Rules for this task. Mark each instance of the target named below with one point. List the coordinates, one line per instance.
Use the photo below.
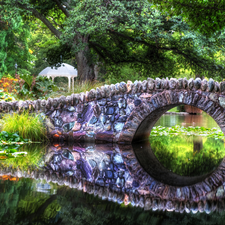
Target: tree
(118, 32)
(206, 16)
(133, 32)
(13, 44)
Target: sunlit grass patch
(28, 126)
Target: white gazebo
(65, 70)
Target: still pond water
(97, 184)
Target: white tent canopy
(65, 70)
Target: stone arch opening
(150, 110)
(140, 122)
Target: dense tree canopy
(13, 44)
(120, 32)
(207, 16)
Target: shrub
(35, 87)
(28, 126)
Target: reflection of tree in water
(197, 144)
(202, 159)
(78, 208)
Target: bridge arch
(140, 122)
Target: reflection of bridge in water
(114, 173)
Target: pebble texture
(123, 112)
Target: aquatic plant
(26, 125)
(189, 131)
(7, 138)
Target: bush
(34, 87)
(28, 126)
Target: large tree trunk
(85, 68)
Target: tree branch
(42, 18)
(62, 8)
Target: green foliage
(41, 42)
(121, 33)
(136, 34)
(14, 34)
(6, 96)
(10, 138)
(30, 205)
(26, 125)
(178, 153)
(35, 87)
(206, 16)
(79, 87)
(10, 151)
(188, 150)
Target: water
(106, 184)
(202, 120)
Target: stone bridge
(125, 112)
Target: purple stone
(109, 174)
(137, 102)
(93, 120)
(67, 127)
(110, 110)
(122, 119)
(58, 122)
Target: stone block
(79, 136)
(213, 97)
(129, 86)
(191, 83)
(204, 84)
(165, 83)
(216, 87)
(151, 84)
(210, 85)
(185, 83)
(158, 83)
(172, 83)
(222, 101)
(222, 86)
(180, 83)
(197, 83)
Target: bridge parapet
(123, 112)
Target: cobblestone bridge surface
(125, 112)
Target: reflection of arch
(154, 168)
(167, 185)
(141, 120)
